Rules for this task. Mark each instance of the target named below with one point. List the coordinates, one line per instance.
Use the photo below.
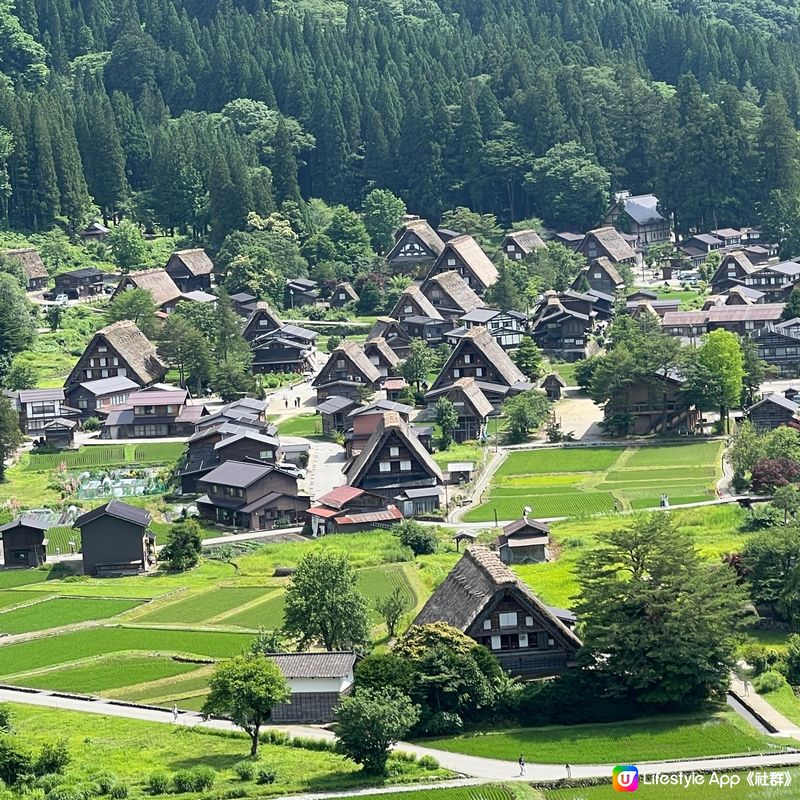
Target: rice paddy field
(488, 792)
(105, 455)
(574, 482)
(59, 611)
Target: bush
(119, 792)
(266, 776)
(428, 762)
(770, 681)
(420, 538)
(53, 758)
(792, 659)
(91, 424)
(442, 723)
(15, 760)
(760, 658)
(5, 716)
(68, 793)
(245, 770)
(105, 782)
(48, 782)
(157, 783)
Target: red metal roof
(339, 496)
(388, 515)
(322, 511)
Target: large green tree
(10, 435)
(136, 305)
(383, 214)
(655, 617)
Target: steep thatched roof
(456, 288)
(474, 581)
(384, 325)
(471, 391)
(487, 345)
(470, 252)
(527, 240)
(156, 281)
(347, 288)
(263, 311)
(30, 261)
(424, 232)
(143, 363)
(355, 354)
(380, 345)
(391, 423)
(196, 261)
(415, 295)
(610, 239)
(610, 270)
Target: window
(456, 373)
(518, 256)
(265, 454)
(598, 275)
(101, 348)
(495, 642)
(509, 641)
(408, 310)
(523, 639)
(467, 358)
(479, 372)
(510, 248)
(394, 451)
(342, 296)
(487, 624)
(508, 620)
(384, 466)
(82, 403)
(405, 466)
(529, 621)
(451, 262)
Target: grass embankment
(582, 481)
(132, 750)
(630, 742)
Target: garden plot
(568, 482)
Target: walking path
(755, 704)
(485, 769)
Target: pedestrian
(521, 764)
(286, 402)
(174, 713)
(569, 771)
(746, 689)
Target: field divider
(30, 602)
(248, 606)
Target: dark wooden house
(601, 275)
(244, 304)
(94, 232)
(416, 247)
(60, 433)
(39, 407)
(506, 326)
(520, 244)
(287, 349)
(262, 320)
(639, 215)
(162, 288)
(524, 541)
(382, 356)
(300, 292)
(554, 385)
(733, 270)
(93, 398)
(779, 346)
(561, 326)
(78, 284)
(418, 318)
(742, 320)
(347, 373)
(252, 496)
(390, 329)
(191, 270)
(334, 413)
(153, 413)
(392, 460)
(347, 509)
(450, 295)
(568, 239)
(471, 405)
(115, 540)
(773, 411)
(363, 421)
(606, 242)
(775, 280)
(25, 541)
(465, 256)
(478, 355)
(33, 269)
(483, 598)
(343, 294)
(118, 350)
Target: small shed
(464, 536)
(524, 541)
(422, 500)
(553, 384)
(343, 294)
(115, 539)
(95, 232)
(460, 471)
(24, 541)
(60, 433)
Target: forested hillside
(189, 115)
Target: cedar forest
(189, 116)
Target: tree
(136, 305)
(770, 474)
(267, 642)
(792, 659)
(792, 308)
(554, 267)
(349, 236)
(127, 246)
(17, 331)
(447, 420)
(786, 499)
(754, 371)
(178, 341)
(383, 214)
(385, 670)
(53, 314)
(10, 435)
(782, 442)
(21, 376)
(483, 228)
(525, 412)
(183, 547)
(246, 689)
(656, 618)
(528, 357)
(746, 449)
(769, 561)
(370, 722)
(418, 364)
(391, 607)
(324, 605)
(420, 538)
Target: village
(392, 491)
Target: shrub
(15, 760)
(770, 681)
(421, 539)
(91, 424)
(157, 783)
(245, 770)
(48, 782)
(428, 762)
(119, 792)
(105, 782)
(5, 718)
(53, 758)
(63, 792)
(760, 658)
(792, 658)
(266, 776)
(442, 723)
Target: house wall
(101, 360)
(781, 352)
(89, 404)
(22, 547)
(531, 554)
(307, 707)
(769, 416)
(412, 257)
(386, 480)
(107, 540)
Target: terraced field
(61, 611)
(573, 482)
(202, 607)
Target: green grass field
(301, 425)
(200, 607)
(98, 675)
(569, 482)
(630, 742)
(488, 792)
(61, 611)
(104, 456)
(8, 597)
(132, 750)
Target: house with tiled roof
(39, 407)
(778, 345)
(464, 255)
(80, 283)
(152, 413)
(93, 398)
(118, 350)
(774, 411)
(524, 541)
(191, 270)
(519, 244)
(417, 245)
(639, 215)
(505, 325)
(487, 601)
(334, 412)
(348, 372)
(162, 288)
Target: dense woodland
(187, 116)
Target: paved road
(485, 769)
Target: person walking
(286, 402)
(174, 713)
(521, 764)
(569, 771)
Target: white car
(61, 300)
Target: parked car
(61, 299)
